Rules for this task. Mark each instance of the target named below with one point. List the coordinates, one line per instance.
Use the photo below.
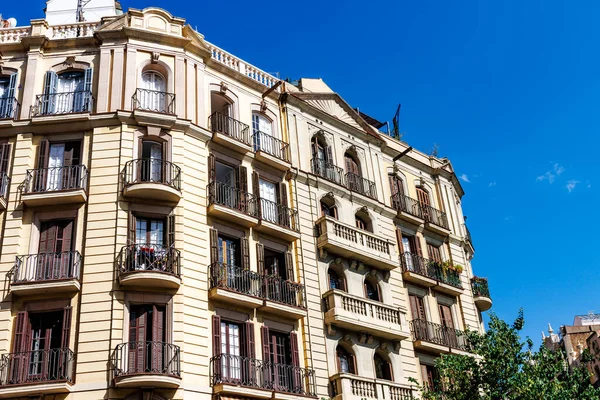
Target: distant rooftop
(590, 318)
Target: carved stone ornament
(347, 338)
(387, 275)
(370, 339)
(363, 338)
(223, 87)
(322, 253)
(364, 209)
(373, 272)
(329, 195)
(397, 345)
(353, 264)
(331, 330)
(69, 61)
(155, 57)
(263, 106)
(383, 346)
(361, 266)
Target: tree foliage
(505, 368)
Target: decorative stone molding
(364, 209)
(384, 346)
(348, 339)
(397, 345)
(373, 273)
(263, 106)
(155, 57)
(69, 61)
(331, 330)
(322, 254)
(329, 195)
(223, 87)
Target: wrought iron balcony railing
(9, 108)
(149, 170)
(279, 214)
(271, 145)
(135, 358)
(480, 287)
(62, 103)
(435, 216)
(253, 373)
(38, 366)
(222, 194)
(56, 179)
(153, 100)
(284, 291)
(47, 267)
(429, 268)
(439, 334)
(328, 171)
(230, 277)
(149, 257)
(358, 184)
(220, 123)
(400, 202)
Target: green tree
(505, 368)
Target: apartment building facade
(177, 223)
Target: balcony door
(67, 92)
(147, 349)
(54, 259)
(57, 166)
(269, 209)
(231, 348)
(262, 128)
(421, 330)
(448, 324)
(40, 346)
(151, 253)
(280, 351)
(153, 94)
(234, 354)
(7, 95)
(226, 187)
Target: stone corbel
(69, 61)
(329, 195)
(223, 87)
(331, 330)
(322, 253)
(387, 276)
(155, 57)
(373, 272)
(370, 339)
(362, 338)
(397, 345)
(364, 209)
(348, 339)
(263, 106)
(383, 346)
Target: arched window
(363, 221)
(383, 369)
(328, 208)
(335, 280)
(372, 290)
(345, 361)
(352, 164)
(397, 190)
(67, 92)
(153, 91)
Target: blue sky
(508, 90)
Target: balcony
(430, 273)
(235, 285)
(355, 313)
(149, 266)
(76, 102)
(231, 204)
(354, 387)
(4, 185)
(481, 293)
(273, 217)
(283, 297)
(152, 179)
(45, 273)
(153, 101)
(437, 338)
(350, 242)
(229, 132)
(271, 151)
(147, 364)
(58, 185)
(9, 108)
(408, 208)
(328, 171)
(231, 375)
(358, 184)
(36, 373)
(435, 220)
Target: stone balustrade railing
(231, 61)
(68, 31)
(13, 35)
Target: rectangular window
(430, 376)
(149, 231)
(275, 263)
(231, 346)
(229, 251)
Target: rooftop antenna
(80, 5)
(396, 123)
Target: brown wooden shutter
(137, 337)
(5, 149)
(417, 307)
(214, 245)
(417, 242)
(130, 228)
(47, 237)
(446, 316)
(250, 342)
(171, 229)
(67, 236)
(329, 152)
(245, 253)
(399, 240)
(43, 153)
(68, 155)
(158, 321)
(314, 147)
(260, 258)
(393, 184)
(20, 342)
(434, 253)
(66, 328)
(211, 168)
(256, 192)
(289, 265)
(242, 179)
(266, 344)
(294, 348)
(216, 335)
(283, 199)
(422, 196)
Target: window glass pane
(225, 174)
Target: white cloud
(492, 184)
(464, 178)
(571, 185)
(548, 176)
(559, 169)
